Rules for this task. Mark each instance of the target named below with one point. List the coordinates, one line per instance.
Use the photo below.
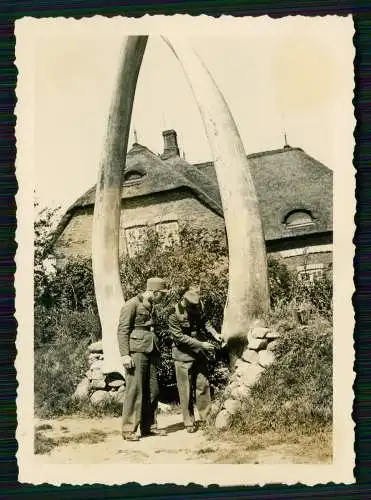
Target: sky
(293, 75)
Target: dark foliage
(66, 318)
(295, 392)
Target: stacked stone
(258, 355)
(97, 386)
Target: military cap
(192, 296)
(156, 285)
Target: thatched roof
(285, 180)
(157, 176)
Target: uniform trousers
(141, 395)
(193, 386)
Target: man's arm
(126, 325)
(180, 339)
(211, 330)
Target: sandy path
(88, 441)
(177, 447)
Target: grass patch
(59, 367)
(204, 451)
(92, 437)
(44, 445)
(294, 394)
(110, 408)
(288, 446)
(44, 427)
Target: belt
(140, 328)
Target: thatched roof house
(294, 192)
(288, 180)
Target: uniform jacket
(188, 333)
(135, 331)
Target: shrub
(280, 281)
(70, 287)
(66, 318)
(59, 367)
(66, 308)
(52, 324)
(295, 392)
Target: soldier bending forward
(189, 329)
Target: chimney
(170, 144)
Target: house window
(168, 233)
(135, 237)
(133, 176)
(298, 218)
(310, 272)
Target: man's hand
(218, 337)
(207, 346)
(128, 362)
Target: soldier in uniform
(190, 331)
(140, 357)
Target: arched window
(298, 218)
(133, 176)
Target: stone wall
(96, 386)
(258, 355)
(99, 389)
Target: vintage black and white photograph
(184, 273)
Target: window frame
(127, 181)
(310, 271)
(131, 252)
(293, 225)
(163, 223)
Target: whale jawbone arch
(248, 290)
(107, 208)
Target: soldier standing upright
(140, 357)
(190, 330)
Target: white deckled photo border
(341, 469)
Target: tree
(44, 226)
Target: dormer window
(298, 218)
(133, 176)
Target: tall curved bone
(106, 219)
(248, 292)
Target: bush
(70, 288)
(201, 258)
(66, 311)
(295, 392)
(59, 367)
(66, 308)
(51, 324)
(280, 281)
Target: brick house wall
(179, 206)
(308, 250)
(314, 252)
